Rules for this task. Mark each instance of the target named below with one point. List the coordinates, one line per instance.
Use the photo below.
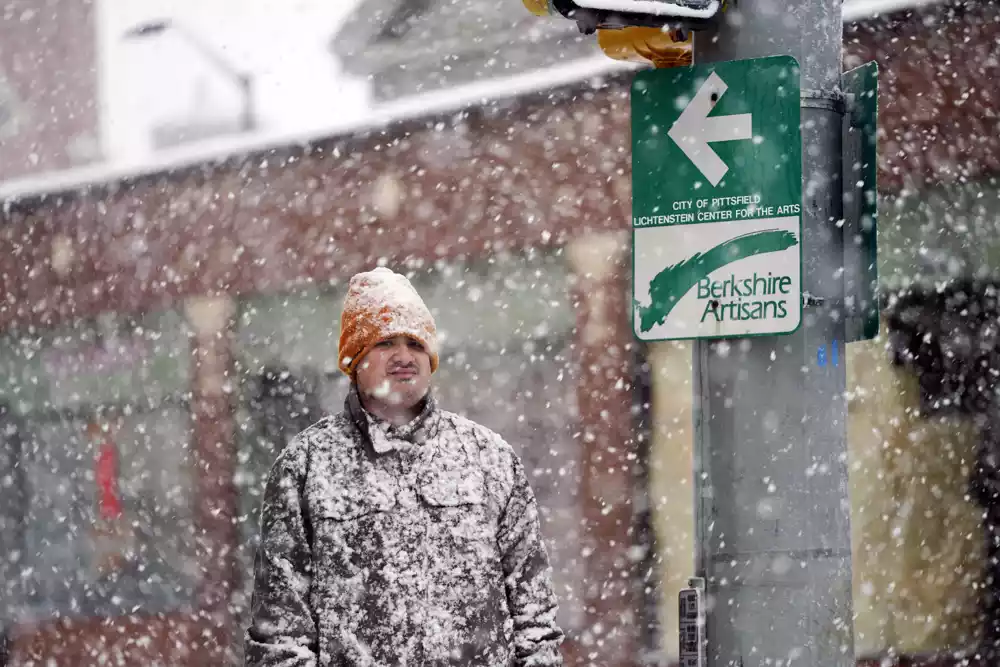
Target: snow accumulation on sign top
(692, 9)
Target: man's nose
(402, 352)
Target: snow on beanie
(381, 304)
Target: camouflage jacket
(390, 546)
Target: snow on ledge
(220, 149)
(859, 10)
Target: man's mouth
(403, 374)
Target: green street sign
(861, 203)
(717, 200)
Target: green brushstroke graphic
(673, 282)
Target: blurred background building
(187, 188)
(49, 115)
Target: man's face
(395, 372)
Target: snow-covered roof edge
(221, 149)
(225, 148)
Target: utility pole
(771, 472)
(716, 194)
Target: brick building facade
(176, 272)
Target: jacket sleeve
(282, 630)
(528, 578)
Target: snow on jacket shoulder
(415, 545)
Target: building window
(9, 109)
(103, 490)
(402, 20)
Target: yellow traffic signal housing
(539, 7)
(655, 46)
(626, 30)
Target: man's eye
(384, 343)
(416, 346)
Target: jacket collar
(380, 436)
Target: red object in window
(108, 502)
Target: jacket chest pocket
(352, 501)
(351, 521)
(456, 501)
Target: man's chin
(405, 392)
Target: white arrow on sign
(694, 130)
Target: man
(396, 533)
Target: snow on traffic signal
(593, 14)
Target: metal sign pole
(771, 478)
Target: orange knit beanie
(381, 304)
